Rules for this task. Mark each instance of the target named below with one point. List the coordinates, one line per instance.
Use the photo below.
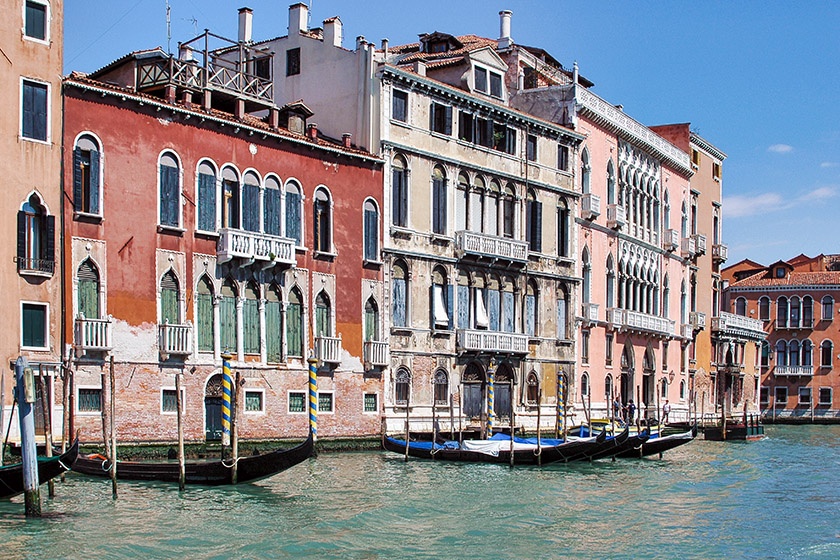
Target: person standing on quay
(666, 411)
(616, 408)
(631, 412)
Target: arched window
(230, 198)
(610, 282)
(531, 308)
(251, 319)
(251, 202)
(323, 315)
(479, 297)
(170, 312)
(399, 192)
(827, 308)
(170, 190)
(204, 314)
(399, 283)
(682, 303)
(508, 306)
(294, 200)
(562, 313)
(608, 387)
(533, 221)
(781, 312)
(476, 205)
(793, 352)
(666, 298)
(693, 296)
(610, 183)
(36, 237)
(228, 321)
(371, 231)
(765, 354)
(587, 277)
(764, 308)
(322, 228)
(273, 324)
(402, 387)
(807, 312)
(87, 173)
(664, 386)
(532, 395)
(584, 385)
(438, 200)
(88, 277)
(666, 212)
(371, 320)
(584, 171)
(206, 220)
(648, 362)
(441, 300)
(494, 302)
(684, 222)
(294, 324)
(509, 211)
(795, 308)
(807, 350)
(462, 195)
(491, 208)
(272, 204)
(826, 351)
(562, 228)
(781, 354)
(441, 382)
(682, 390)
(741, 306)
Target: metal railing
(42, 266)
(491, 246)
(794, 370)
(93, 334)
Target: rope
(537, 451)
(231, 465)
(63, 466)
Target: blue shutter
(272, 212)
(371, 235)
(530, 316)
(168, 195)
(78, 187)
(399, 302)
(507, 301)
(206, 202)
(561, 318)
(447, 127)
(40, 112)
(463, 307)
(537, 216)
(293, 216)
(94, 182)
(251, 208)
(450, 306)
(493, 301)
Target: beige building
(30, 78)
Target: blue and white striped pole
(491, 397)
(227, 383)
(313, 396)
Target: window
(371, 320)
(399, 192)
(170, 312)
(509, 211)
(371, 231)
(663, 393)
(402, 387)
(262, 67)
(504, 139)
(440, 119)
(805, 396)
(533, 222)
(533, 389)
(531, 147)
(480, 79)
(441, 300)
(399, 106)
(293, 62)
(665, 345)
(826, 351)
(608, 349)
(90, 400)
(584, 171)
(716, 171)
(204, 322)
(740, 307)
(35, 111)
(86, 175)
(169, 400)
(251, 202)
(34, 325)
(780, 272)
(531, 308)
(251, 319)
(228, 322)
(230, 196)
(781, 395)
(764, 398)
(781, 354)
(170, 190)
(827, 308)
(807, 312)
(806, 353)
(35, 238)
(438, 201)
(297, 402)
(610, 282)
(584, 384)
(781, 312)
(88, 294)
(294, 199)
(294, 324)
(795, 309)
(682, 390)
(254, 401)
(563, 231)
(466, 126)
(765, 354)
(441, 382)
(399, 281)
(370, 402)
(562, 314)
(695, 158)
(273, 324)
(36, 20)
(587, 277)
(825, 396)
(272, 204)
(562, 158)
(764, 308)
(323, 224)
(206, 220)
(323, 315)
(495, 84)
(584, 346)
(608, 388)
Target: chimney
(346, 139)
(419, 67)
(385, 47)
(360, 42)
(312, 131)
(504, 29)
(246, 17)
(298, 18)
(333, 32)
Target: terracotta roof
(470, 43)
(133, 54)
(793, 279)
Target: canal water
(777, 498)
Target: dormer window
(480, 79)
(495, 84)
(780, 272)
(438, 47)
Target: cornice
(706, 146)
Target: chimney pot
(246, 18)
(333, 32)
(504, 29)
(312, 131)
(346, 139)
(298, 18)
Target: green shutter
(169, 306)
(273, 336)
(293, 333)
(204, 322)
(89, 298)
(251, 318)
(227, 318)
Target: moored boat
(660, 444)
(11, 476)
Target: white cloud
(829, 164)
(740, 206)
(780, 148)
(820, 193)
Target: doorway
(473, 389)
(213, 408)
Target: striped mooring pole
(560, 401)
(313, 395)
(227, 383)
(491, 397)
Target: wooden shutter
(370, 323)
(40, 112)
(463, 307)
(537, 235)
(507, 300)
(251, 208)
(94, 182)
(88, 291)
(49, 241)
(206, 202)
(399, 302)
(493, 304)
(204, 322)
(272, 211)
(447, 125)
(561, 318)
(169, 306)
(28, 124)
(293, 216)
(273, 330)
(371, 235)
(78, 187)
(450, 306)
(293, 333)
(530, 315)
(168, 195)
(227, 318)
(251, 328)
(398, 195)
(21, 235)
(432, 111)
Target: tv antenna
(193, 21)
(168, 30)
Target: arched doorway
(503, 384)
(473, 383)
(649, 384)
(627, 374)
(213, 408)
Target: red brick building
(797, 300)
(199, 218)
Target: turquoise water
(777, 498)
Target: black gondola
(11, 476)
(661, 444)
(208, 473)
(610, 446)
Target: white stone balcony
(697, 320)
(589, 312)
(492, 247)
(590, 206)
(375, 353)
(92, 335)
(699, 243)
(492, 341)
(687, 331)
(793, 370)
(739, 326)
(720, 252)
(254, 246)
(328, 349)
(688, 248)
(616, 216)
(175, 340)
(670, 239)
(642, 322)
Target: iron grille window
(170, 400)
(370, 402)
(293, 62)
(325, 402)
(90, 400)
(297, 402)
(253, 401)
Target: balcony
(254, 246)
(720, 252)
(687, 331)
(641, 322)
(616, 216)
(670, 239)
(175, 340)
(688, 248)
(492, 341)
(793, 370)
(328, 349)
(590, 206)
(375, 353)
(699, 243)
(697, 320)
(738, 326)
(491, 247)
(92, 335)
(35, 267)
(589, 312)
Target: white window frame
(259, 390)
(305, 402)
(46, 326)
(180, 226)
(776, 395)
(830, 396)
(48, 141)
(332, 402)
(302, 211)
(80, 412)
(376, 410)
(101, 185)
(47, 20)
(486, 90)
(764, 401)
(378, 228)
(183, 402)
(810, 393)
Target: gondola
(496, 450)
(208, 473)
(610, 446)
(11, 476)
(661, 444)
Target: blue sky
(760, 80)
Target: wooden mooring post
(181, 464)
(407, 403)
(111, 420)
(234, 427)
(539, 430)
(29, 453)
(46, 410)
